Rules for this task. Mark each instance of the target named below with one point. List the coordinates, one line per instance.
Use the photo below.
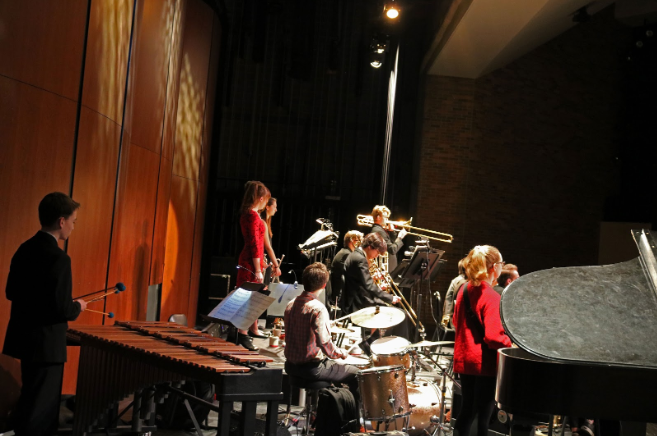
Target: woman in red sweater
(479, 333)
(252, 256)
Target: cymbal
(378, 317)
(430, 344)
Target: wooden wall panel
(161, 220)
(132, 237)
(193, 85)
(36, 136)
(150, 72)
(108, 46)
(173, 81)
(94, 186)
(179, 245)
(41, 43)
(199, 225)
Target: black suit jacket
(393, 247)
(337, 272)
(359, 288)
(39, 287)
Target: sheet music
(241, 307)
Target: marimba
(133, 356)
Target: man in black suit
(380, 215)
(359, 289)
(39, 287)
(352, 240)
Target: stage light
(391, 9)
(376, 59)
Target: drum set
(391, 394)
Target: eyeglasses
(500, 262)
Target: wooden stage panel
(179, 246)
(199, 226)
(94, 185)
(193, 85)
(173, 81)
(161, 219)
(132, 237)
(42, 43)
(108, 46)
(150, 71)
(33, 123)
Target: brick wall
(523, 157)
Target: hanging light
(391, 9)
(376, 59)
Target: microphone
(296, 283)
(120, 287)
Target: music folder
(243, 305)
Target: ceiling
(480, 36)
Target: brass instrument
(385, 278)
(367, 220)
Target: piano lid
(593, 314)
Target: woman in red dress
(479, 334)
(251, 258)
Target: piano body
(587, 339)
(133, 356)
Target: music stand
(423, 255)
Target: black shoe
(253, 335)
(246, 342)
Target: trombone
(367, 220)
(404, 303)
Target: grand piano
(587, 340)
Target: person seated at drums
(479, 334)
(308, 343)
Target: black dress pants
(37, 412)
(478, 397)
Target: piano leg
(225, 409)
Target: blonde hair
(380, 211)
(353, 236)
(479, 261)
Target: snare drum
(424, 398)
(391, 350)
(384, 393)
(358, 362)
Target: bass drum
(424, 398)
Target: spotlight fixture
(376, 59)
(391, 9)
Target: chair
(308, 397)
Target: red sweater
(473, 354)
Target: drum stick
(109, 315)
(120, 286)
(100, 297)
(345, 317)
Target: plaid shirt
(307, 335)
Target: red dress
(253, 230)
(474, 354)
